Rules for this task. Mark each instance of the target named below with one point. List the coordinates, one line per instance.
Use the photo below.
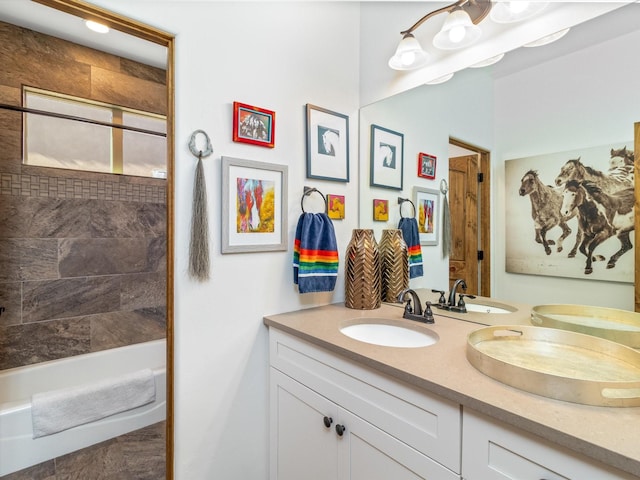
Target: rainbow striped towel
(409, 227)
(315, 254)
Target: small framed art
(427, 204)
(327, 144)
(380, 210)
(387, 154)
(254, 206)
(254, 125)
(426, 166)
(335, 205)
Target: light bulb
(456, 34)
(407, 58)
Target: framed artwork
(254, 125)
(538, 243)
(335, 204)
(327, 144)
(380, 210)
(387, 158)
(427, 204)
(254, 206)
(426, 166)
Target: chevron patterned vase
(394, 264)
(362, 271)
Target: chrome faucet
(452, 295)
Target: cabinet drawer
(492, 450)
(427, 423)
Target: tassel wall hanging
(199, 243)
(446, 220)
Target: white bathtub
(19, 450)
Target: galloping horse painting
(570, 214)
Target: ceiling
(40, 18)
(37, 17)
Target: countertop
(610, 435)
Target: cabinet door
(302, 447)
(495, 451)
(368, 453)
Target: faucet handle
(442, 300)
(461, 296)
(428, 313)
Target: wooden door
(463, 205)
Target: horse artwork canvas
(570, 214)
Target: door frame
(484, 226)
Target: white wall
(586, 99)
(279, 56)
(427, 116)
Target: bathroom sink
(389, 333)
(485, 308)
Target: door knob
(340, 429)
(328, 421)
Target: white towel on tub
(59, 410)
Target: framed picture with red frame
(254, 125)
(426, 166)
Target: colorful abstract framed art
(254, 206)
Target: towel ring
(401, 201)
(444, 186)
(309, 191)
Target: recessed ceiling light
(548, 39)
(96, 27)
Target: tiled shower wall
(82, 255)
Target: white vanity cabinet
(333, 419)
(492, 450)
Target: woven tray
(620, 326)
(558, 364)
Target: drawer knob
(340, 429)
(328, 421)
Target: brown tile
(128, 91)
(144, 72)
(26, 259)
(39, 342)
(139, 455)
(103, 256)
(29, 217)
(128, 219)
(143, 290)
(11, 302)
(144, 452)
(103, 461)
(42, 471)
(65, 298)
(117, 329)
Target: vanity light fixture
(96, 27)
(460, 28)
(516, 10)
(409, 54)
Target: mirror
(86, 258)
(429, 116)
